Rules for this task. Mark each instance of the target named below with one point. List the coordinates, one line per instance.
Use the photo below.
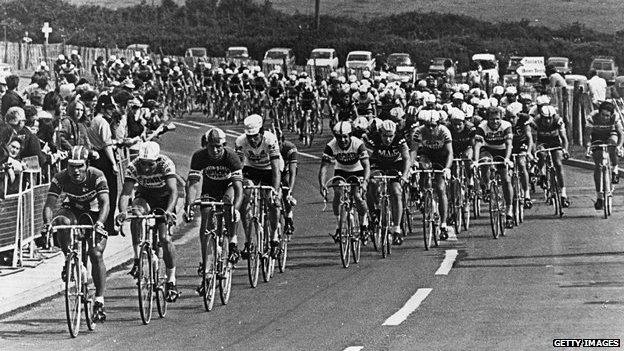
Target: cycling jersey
(83, 195)
(347, 159)
(276, 90)
(463, 140)
(432, 140)
(603, 128)
(548, 132)
(494, 139)
(156, 180)
(260, 83)
(364, 103)
(217, 174)
(387, 157)
(519, 130)
(259, 157)
(307, 98)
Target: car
(437, 65)
(396, 60)
(572, 78)
(561, 64)
(143, 49)
(279, 56)
(489, 65)
(605, 68)
(360, 59)
(323, 57)
(196, 52)
(407, 74)
(513, 64)
(237, 52)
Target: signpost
(532, 67)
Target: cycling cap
(260, 75)
(360, 123)
(548, 111)
(79, 156)
(422, 83)
(514, 109)
(397, 112)
(342, 79)
(387, 127)
(606, 105)
(484, 103)
(61, 57)
(434, 117)
(214, 136)
(333, 75)
(457, 114)
(430, 98)
(228, 71)
(458, 96)
(365, 83)
(253, 123)
(352, 78)
(424, 115)
(498, 90)
(362, 88)
(464, 88)
(342, 128)
(474, 101)
(493, 102)
(149, 150)
(354, 86)
(366, 74)
(511, 91)
(526, 97)
(543, 100)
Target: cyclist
(216, 172)
(522, 142)
(262, 164)
(463, 135)
(364, 102)
(390, 155)
(350, 159)
(494, 136)
(86, 193)
(309, 106)
(433, 142)
(551, 132)
(155, 177)
(605, 125)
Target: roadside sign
(532, 66)
(46, 29)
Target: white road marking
(354, 348)
(309, 156)
(186, 125)
(410, 306)
(201, 124)
(447, 263)
(233, 132)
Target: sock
(365, 220)
(443, 225)
(171, 275)
(564, 192)
(616, 169)
(598, 195)
(99, 299)
(527, 194)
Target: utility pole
(317, 14)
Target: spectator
(32, 120)
(16, 118)
(101, 139)
(71, 131)
(13, 165)
(11, 97)
(597, 87)
(554, 78)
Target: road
(550, 278)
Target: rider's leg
(440, 188)
(231, 226)
(523, 172)
(507, 189)
(98, 269)
(361, 206)
(204, 227)
(64, 216)
(140, 207)
(597, 157)
(557, 157)
(396, 196)
(245, 210)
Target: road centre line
(233, 132)
(354, 348)
(186, 125)
(410, 306)
(447, 263)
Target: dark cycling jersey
(216, 173)
(156, 180)
(602, 128)
(387, 157)
(83, 195)
(548, 132)
(519, 130)
(307, 99)
(464, 139)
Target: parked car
(323, 57)
(605, 67)
(279, 56)
(237, 52)
(437, 65)
(399, 60)
(196, 52)
(144, 49)
(571, 78)
(406, 73)
(360, 59)
(513, 64)
(489, 65)
(561, 64)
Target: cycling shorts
(78, 216)
(346, 175)
(258, 176)
(437, 158)
(396, 168)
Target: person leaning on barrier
(13, 165)
(71, 131)
(86, 198)
(11, 97)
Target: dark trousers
(105, 165)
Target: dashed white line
(233, 132)
(447, 263)
(354, 348)
(410, 306)
(186, 125)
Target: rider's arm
(48, 208)
(405, 156)
(529, 136)
(104, 204)
(193, 180)
(563, 137)
(275, 169)
(620, 133)
(589, 126)
(126, 193)
(172, 187)
(448, 148)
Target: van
(360, 59)
(196, 52)
(489, 66)
(605, 67)
(323, 57)
(237, 52)
(277, 56)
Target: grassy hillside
(602, 15)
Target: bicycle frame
(429, 207)
(385, 219)
(606, 187)
(553, 189)
(497, 204)
(259, 202)
(347, 217)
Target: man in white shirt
(597, 87)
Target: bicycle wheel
(225, 283)
(384, 223)
(406, 218)
(457, 205)
(476, 205)
(555, 193)
(209, 275)
(159, 288)
(283, 249)
(73, 292)
(268, 262)
(88, 298)
(145, 283)
(356, 241)
(494, 210)
(606, 185)
(344, 237)
(427, 214)
(253, 262)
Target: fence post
(577, 132)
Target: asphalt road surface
(547, 279)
